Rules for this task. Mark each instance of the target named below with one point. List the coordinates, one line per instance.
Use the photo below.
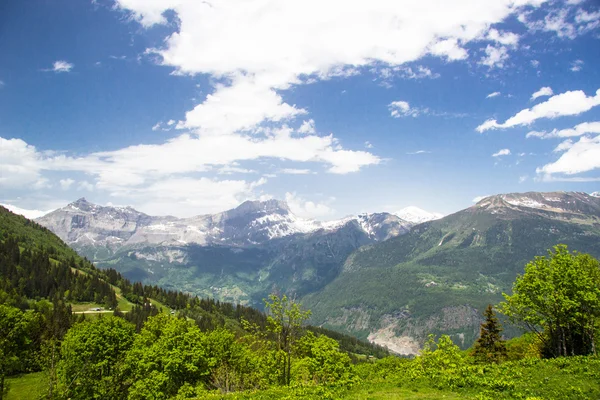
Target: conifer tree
(490, 347)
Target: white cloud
(419, 152)
(449, 48)
(587, 21)
(504, 38)
(493, 94)
(307, 127)
(564, 23)
(308, 209)
(500, 153)
(192, 196)
(1, 83)
(581, 156)
(578, 130)
(368, 145)
(66, 183)
(576, 65)
(283, 44)
(535, 63)
(295, 171)
(20, 165)
(156, 126)
(419, 72)
(29, 214)
(400, 108)
(234, 169)
(61, 66)
(85, 185)
(568, 103)
(523, 178)
(565, 145)
(495, 57)
(545, 91)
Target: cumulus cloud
(568, 103)
(66, 183)
(307, 127)
(544, 91)
(563, 22)
(504, 38)
(577, 157)
(400, 108)
(500, 153)
(308, 209)
(578, 130)
(261, 56)
(495, 56)
(20, 165)
(493, 94)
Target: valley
(376, 276)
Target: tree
(558, 298)
(321, 360)
(92, 358)
(285, 320)
(167, 353)
(490, 347)
(17, 330)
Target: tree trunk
(1, 385)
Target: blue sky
(183, 107)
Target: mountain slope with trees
(439, 277)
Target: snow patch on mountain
(417, 215)
(252, 223)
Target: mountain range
(239, 255)
(377, 276)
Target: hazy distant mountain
(237, 255)
(441, 275)
(82, 223)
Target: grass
(78, 307)
(26, 386)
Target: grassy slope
(471, 258)
(26, 386)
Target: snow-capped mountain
(416, 215)
(82, 223)
(29, 214)
(558, 205)
(595, 194)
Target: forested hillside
(42, 280)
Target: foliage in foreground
(558, 298)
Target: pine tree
(490, 347)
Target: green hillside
(439, 277)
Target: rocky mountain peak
(595, 194)
(266, 206)
(548, 204)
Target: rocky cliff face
(83, 224)
(237, 255)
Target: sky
(182, 107)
